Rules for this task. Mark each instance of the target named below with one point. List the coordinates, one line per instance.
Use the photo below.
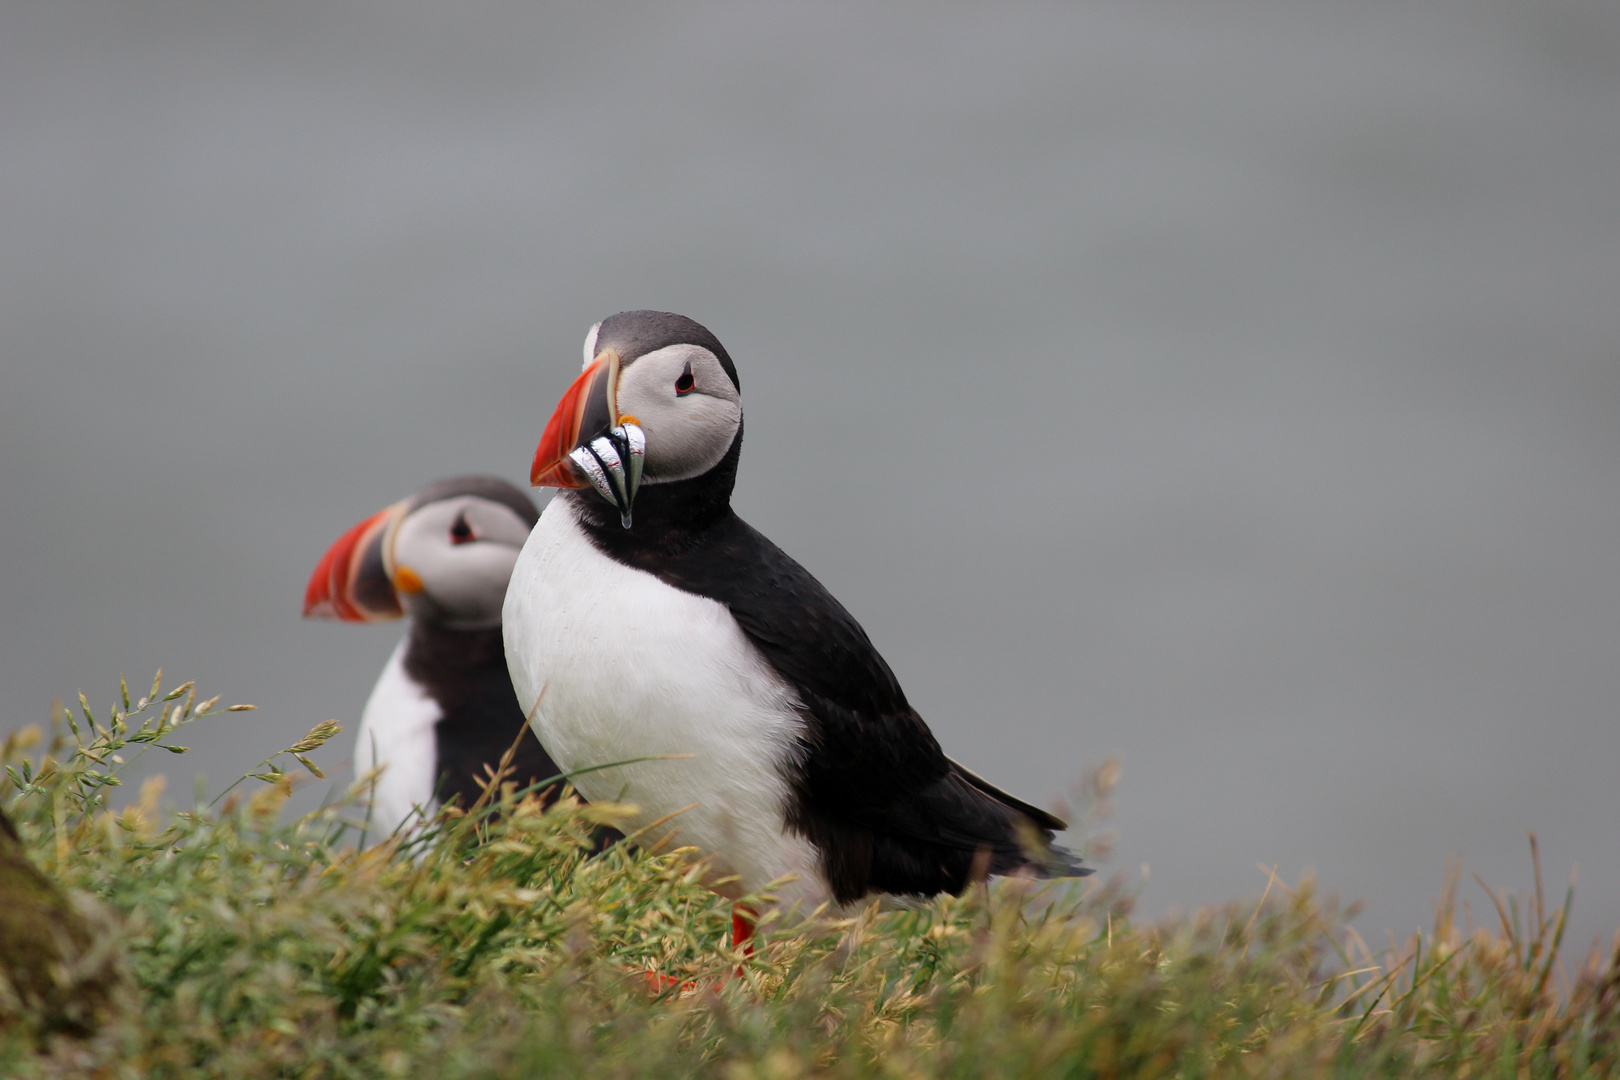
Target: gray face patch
(687, 406)
(461, 549)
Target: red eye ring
(685, 384)
(461, 532)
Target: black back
(872, 791)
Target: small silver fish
(612, 463)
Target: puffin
(738, 706)
(443, 712)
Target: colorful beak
(588, 444)
(352, 581)
(588, 409)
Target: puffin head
(443, 555)
(658, 403)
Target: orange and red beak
(588, 444)
(353, 581)
(587, 410)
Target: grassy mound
(224, 941)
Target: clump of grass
(487, 944)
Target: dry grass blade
(489, 944)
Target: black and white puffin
(443, 712)
(644, 618)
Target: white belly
(397, 733)
(624, 666)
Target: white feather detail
(397, 732)
(632, 667)
(590, 346)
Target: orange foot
(743, 921)
(658, 984)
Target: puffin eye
(684, 384)
(461, 532)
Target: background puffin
(645, 617)
(443, 711)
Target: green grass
(230, 942)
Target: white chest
(397, 732)
(613, 664)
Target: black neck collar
(667, 518)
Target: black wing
(884, 806)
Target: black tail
(1047, 859)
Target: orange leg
(743, 919)
(657, 983)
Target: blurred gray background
(1228, 386)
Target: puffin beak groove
(588, 444)
(354, 580)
